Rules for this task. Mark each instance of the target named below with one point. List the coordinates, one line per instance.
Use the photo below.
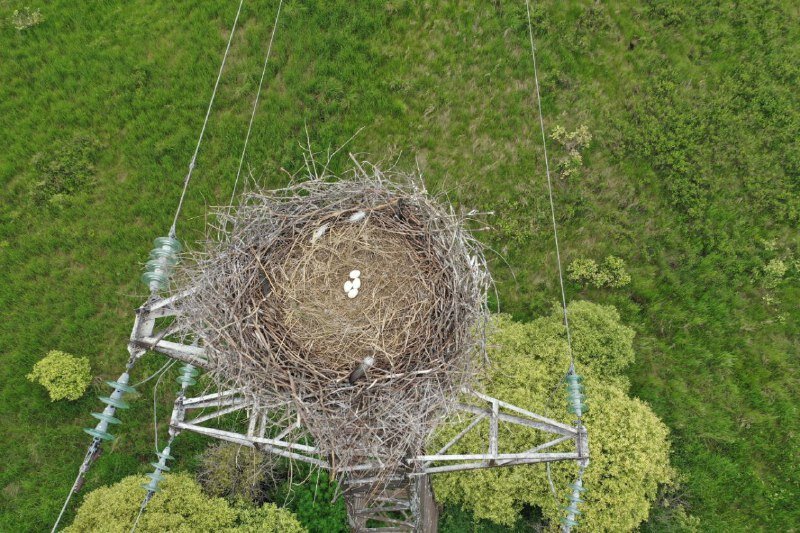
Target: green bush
(63, 375)
(774, 272)
(611, 273)
(614, 271)
(312, 496)
(236, 472)
(573, 144)
(269, 518)
(629, 446)
(180, 506)
(600, 340)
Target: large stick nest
(368, 376)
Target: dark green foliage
(453, 519)
(238, 472)
(310, 495)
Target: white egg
(355, 274)
(353, 293)
(356, 283)
(348, 285)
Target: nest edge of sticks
(368, 377)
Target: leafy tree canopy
(628, 443)
(180, 506)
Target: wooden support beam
(493, 445)
(537, 458)
(519, 410)
(194, 355)
(216, 414)
(207, 397)
(278, 448)
(461, 434)
(533, 456)
(559, 429)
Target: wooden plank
(428, 511)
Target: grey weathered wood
(194, 355)
(264, 444)
(520, 410)
(542, 458)
(207, 397)
(427, 510)
(216, 414)
(533, 456)
(493, 445)
(543, 426)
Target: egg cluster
(352, 285)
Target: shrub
(600, 341)
(269, 518)
(25, 18)
(611, 273)
(236, 472)
(583, 270)
(63, 375)
(312, 496)
(573, 143)
(774, 272)
(179, 506)
(614, 272)
(629, 447)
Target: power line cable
(573, 381)
(205, 121)
(550, 189)
(255, 103)
(169, 363)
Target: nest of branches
(369, 375)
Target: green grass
(694, 165)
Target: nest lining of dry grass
(269, 307)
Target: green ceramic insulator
(103, 435)
(569, 522)
(107, 418)
(151, 487)
(116, 402)
(159, 466)
(124, 387)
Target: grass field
(692, 177)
